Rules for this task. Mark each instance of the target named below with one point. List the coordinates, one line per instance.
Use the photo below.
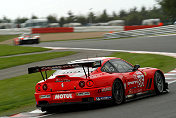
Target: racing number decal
(140, 78)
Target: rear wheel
(47, 109)
(37, 41)
(158, 83)
(118, 92)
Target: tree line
(166, 13)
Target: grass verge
(13, 50)
(165, 63)
(17, 93)
(20, 60)
(7, 37)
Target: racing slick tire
(158, 83)
(118, 92)
(47, 109)
(37, 41)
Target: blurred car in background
(27, 39)
(175, 23)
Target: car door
(134, 79)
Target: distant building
(7, 25)
(116, 23)
(53, 25)
(72, 25)
(151, 22)
(36, 23)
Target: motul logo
(63, 96)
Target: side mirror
(136, 67)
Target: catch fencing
(142, 32)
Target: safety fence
(142, 32)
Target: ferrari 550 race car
(95, 79)
(27, 39)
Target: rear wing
(83, 64)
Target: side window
(107, 67)
(121, 65)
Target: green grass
(20, 60)
(165, 63)
(6, 50)
(17, 93)
(7, 37)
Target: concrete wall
(98, 28)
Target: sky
(42, 8)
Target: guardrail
(98, 28)
(142, 32)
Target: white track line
(111, 50)
(170, 74)
(163, 35)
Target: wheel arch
(161, 74)
(124, 94)
(165, 83)
(120, 81)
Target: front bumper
(46, 99)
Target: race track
(159, 44)
(162, 106)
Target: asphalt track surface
(157, 44)
(162, 106)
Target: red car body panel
(98, 86)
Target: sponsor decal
(62, 80)
(132, 82)
(62, 85)
(125, 85)
(106, 89)
(82, 93)
(44, 96)
(103, 98)
(63, 96)
(139, 79)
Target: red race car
(27, 39)
(95, 79)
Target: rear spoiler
(83, 64)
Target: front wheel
(118, 92)
(158, 83)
